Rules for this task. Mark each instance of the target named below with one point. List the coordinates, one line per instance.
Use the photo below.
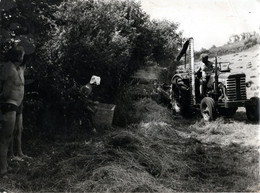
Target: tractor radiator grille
(236, 88)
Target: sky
(209, 22)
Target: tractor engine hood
(222, 77)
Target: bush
(250, 42)
(74, 40)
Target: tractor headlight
(249, 83)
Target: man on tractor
(204, 72)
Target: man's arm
(199, 70)
(1, 86)
(5, 71)
(1, 89)
(2, 77)
(198, 73)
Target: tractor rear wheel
(252, 111)
(207, 109)
(181, 103)
(182, 108)
(185, 105)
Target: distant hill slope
(241, 42)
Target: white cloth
(95, 80)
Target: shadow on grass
(240, 116)
(232, 168)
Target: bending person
(89, 104)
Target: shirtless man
(206, 68)
(11, 97)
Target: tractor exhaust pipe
(216, 78)
(192, 71)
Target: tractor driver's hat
(203, 56)
(95, 80)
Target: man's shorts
(8, 107)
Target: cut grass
(159, 153)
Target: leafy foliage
(72, 40)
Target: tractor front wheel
(207, 109)
(252, 110)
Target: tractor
(225, 91)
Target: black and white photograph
(129, 96)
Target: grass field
(160, 152)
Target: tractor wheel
(182, 105)
(252, 111)
(185, 110)
(207, 109)
(227, 112)
(181, 108)
(185, 105)
(175, 106)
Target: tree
(72, 40)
